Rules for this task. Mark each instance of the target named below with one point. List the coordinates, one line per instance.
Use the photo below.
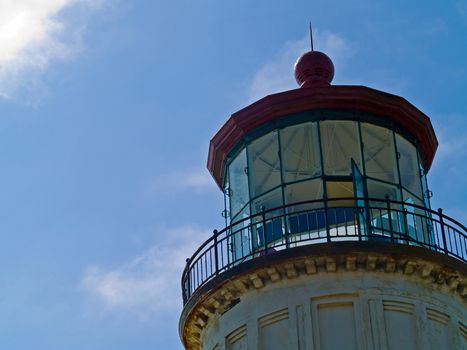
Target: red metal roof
(355, 98)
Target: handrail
(399, 222)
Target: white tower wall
(355, 301)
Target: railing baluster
(216, 254)
(345, 221)
(197, 276)
(443, 232)
(221, 246)
(391, 229)
(187, 293)
(326, 209)
(250, 240)
(263, 220)
(285, 228)
(406, 225)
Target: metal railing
(319, 221)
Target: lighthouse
(330, 239)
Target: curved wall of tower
(345, 301)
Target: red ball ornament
(314, 68)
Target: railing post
(285, 227)
(328, 235)
(358, 213)
(406, 226)
(263, 222)
(368, 215)
(216, 255)
(443, 231)
(391, 230)
(187, 293)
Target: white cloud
(33, 33)
(150, 282)
(278, 75)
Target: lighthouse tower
(330, 241)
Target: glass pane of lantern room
(425, 191)
(300, 152)
(383, 191)
(307, 217)
(340, 216)
(361, 207)
(269, 200)
(264, 165)
(379, 153)
(340, 144)
(238, 182)
(378, 208)
(419, 225)
(340, 189)
(408, 166)
(271, 229)
(240, 239)
(304, 191)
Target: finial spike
(311, 37)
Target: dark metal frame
(344, 101)
(339, 222)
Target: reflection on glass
(305, 217)
(268, 201)
(418, 226)
(226, 213)
(273, 220)
(408, 166)
(377, 189)
(264, 165)
(426, 192)
(379, 153)
(300, 152)
(241, 236)
(359, 186)
(410, 198)
(380, 215)
(238, 181)
(340, 143)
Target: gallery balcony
(304, 228)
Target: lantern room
(323, 146)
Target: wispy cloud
(450, 165)
(452, 146)
(34, 33)
(150, 282)
(277, 75)
(461, 6)
(197, 179)
(452, 150)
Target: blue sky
(106, 110)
